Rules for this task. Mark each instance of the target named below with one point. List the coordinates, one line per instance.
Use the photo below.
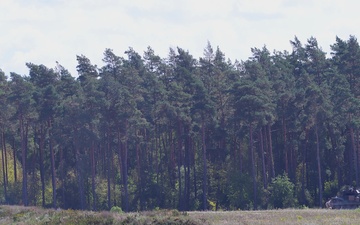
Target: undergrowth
(34, 215)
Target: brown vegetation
(35, 215)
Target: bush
(282, 192)
(159, 220)
(330, 189)
(116, 209)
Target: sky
(46, 31)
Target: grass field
(285, 216)
(34, 215)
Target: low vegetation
(280, 217)
(35, 215)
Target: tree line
(143, 132)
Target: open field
(34, 215)
(285, 216)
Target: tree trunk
(41, 163)
(188, 153)
(241, 164)
(52, 158)
(263, 158)
(6, 161)
(62, 176)
(304, 170)
(318, 165)
(79, 162)
(109, 170)
(195, 180)
(271, 151)
(14, 161)
(23, 159)
(124, 166)
(204, 165)
(285, 146)
(139, 172)
(4, 171)
(354, 155)
(93, 185)
(357, 140)
(253, 172)
(179, 162)
(120, 159)
(125, 177)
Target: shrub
(282, 192)
(116, 209)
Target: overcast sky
(46, 31)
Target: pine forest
(141, 132)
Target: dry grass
(37, 216)
(34, 215)
(285, 216)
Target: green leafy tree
(282, 192)
(283, 86)
(346, 59)
(21, 97)
(253, 106)
(4, 118)
(212, 107)
(47, 101)
(86, 130)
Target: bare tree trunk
(23, 159)
(41, 163)
(354, 155)
(93, 185)
(204, 165)
(125, 178)
(241, 164)
(357, 150)
(79, 162)
(271, 151)
(120, 156)
(14, 161)
(253, 172)
(109, 170)
(263, 158)
(195, 175)
(285, 146)
(180, 149)
(139, 172)
(62, 176)
(318, 164)
(124, 157)
(188, 154)
(304, 169)
(52, 158)
(3, 157)
(6, 161)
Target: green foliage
(239, 191)
(170, 217)
(14, 193)
(147, 133)
(282, 192)
(116, 209)
(330, 189)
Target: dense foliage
(143, 133)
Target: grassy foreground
(34, 215)
(284, 216)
